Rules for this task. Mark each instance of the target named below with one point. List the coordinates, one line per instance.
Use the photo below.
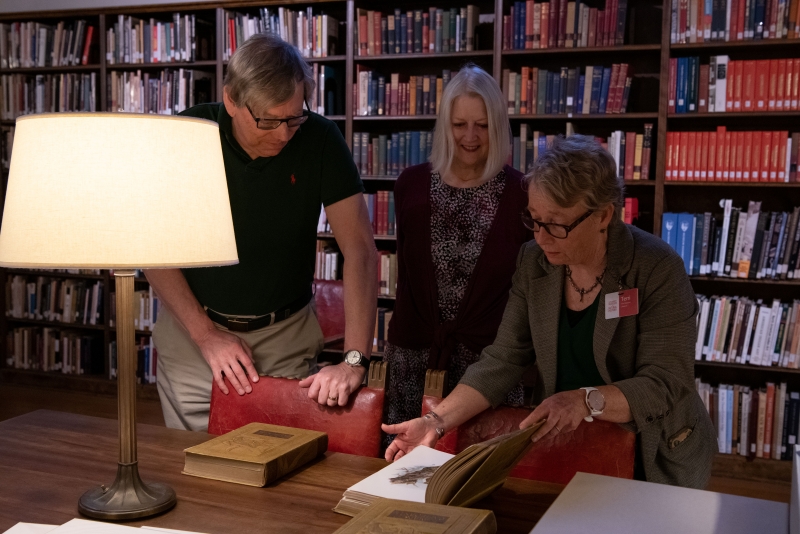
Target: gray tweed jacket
(649, 356)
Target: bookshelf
(645, 45)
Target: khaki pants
(288, 349)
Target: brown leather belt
(242, 324)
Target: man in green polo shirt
(282, 163)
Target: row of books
(145, 309)
(315, 35)
(382, 318)
(697, 21)
(733, 86)
(329, 262)
(751, 244)
(379, 95)
(54, 349)
(146, 360)
(534, 91)
(54, 299)
(416, 31)
(722, 155)
(631, 151)
(328, 95)
(753, 422)
(562, 24)
(744, 331)
(630, 210)
(39, 93)
(380, 207)
(133, 40)
(389, 154)
(33, 44)
(167, 92)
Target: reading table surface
(49, 459)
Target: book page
(407, 478)
(30, 528)
(82, 526)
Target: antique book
(426, 475)
(255, 454)
(391, 515)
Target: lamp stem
(128, 497)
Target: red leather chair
(329, 302)
(598, 447)
(352, 429)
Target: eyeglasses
(271, 124)
(559, 231)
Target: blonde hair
(264, 72)
(577, 169)
(471, 80)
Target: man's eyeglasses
(271, 124)
(559, 231)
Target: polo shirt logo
(293, 180)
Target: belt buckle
(238, 325)
(271, 319)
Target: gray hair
(575, 169)
(471, 80)
(264, 72)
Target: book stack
(168, 92)
(328, 261)
(733, 86)
(33, 44)
(752, 244)
(52, 299)
(328, 95)
(382, 318)
(389, 154)
(599, 90)
(133, 40)
(562, 24)
(41, 93)
(748, 332)
(389, 96)
(315, 35)
(146, 360)
(725, 156)
(380, 207)
(631, 151)
(753, 422)
(696, 21)
(53, 349)
(417, 31)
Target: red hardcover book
(691, 156)
(683, 19)
(772, 85)
(702, 97)
(562, 23)
(749, 86)
(625, 72)
(376, 32)
(363, 43)
(533, 89)
(737, 157)
(737, 85)
(592, 38)
(720, 163)
(700, 17)
(773, 19)
(544, 40)
(683, 152)
(85, 55)
(781, 84)
(796, 80)
(747, 155)
(762, 85)
(770, 413)
(755, 161)
(703, 160)
(774, 153)
(601, 25)
(793, 19)
(740, 13)
(612, 89)
(529, 24)
(552, 35)
(426, 29)
(668, 164)
(523, 91)
(630, 153)
(727, 157)
(787, 85)
(783, 137)
(768, 6)
(232, 33)
(730, 86)
(712, 156)
(673, 83)
(766, 156)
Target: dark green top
(275, 203)
(576, 365)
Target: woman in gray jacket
(606, 312)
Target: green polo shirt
(275, 204)
(576, 366)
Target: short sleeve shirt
(275, 204)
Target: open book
(426, 475)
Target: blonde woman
(458, 238)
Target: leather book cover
(255, 454)
(389, 515)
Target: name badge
(622, 304)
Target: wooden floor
(17, 400)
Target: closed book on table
(389, 515)
(255, 454)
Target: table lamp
(118, 191)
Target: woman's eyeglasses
(271, 124)
(559, 231)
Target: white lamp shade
(116, 190)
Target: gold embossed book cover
(404, 517)
(255, 454)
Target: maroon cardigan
(415, 322)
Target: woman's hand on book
(228, 356)
(408, 435)
(563, 412)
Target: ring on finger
(334, 399)
(557, 429)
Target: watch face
(353, 357)
(596, 401)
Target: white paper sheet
(607, 505)
(82, 526)
(30, 528)
(379, 484)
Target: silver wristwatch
(596, 403)
(355, 358)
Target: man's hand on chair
(333, 385)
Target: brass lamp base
(127, 498)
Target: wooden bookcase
(647, 47)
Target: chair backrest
(329, 302)
(352, 429)
(598, 447)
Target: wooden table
(49, 459)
